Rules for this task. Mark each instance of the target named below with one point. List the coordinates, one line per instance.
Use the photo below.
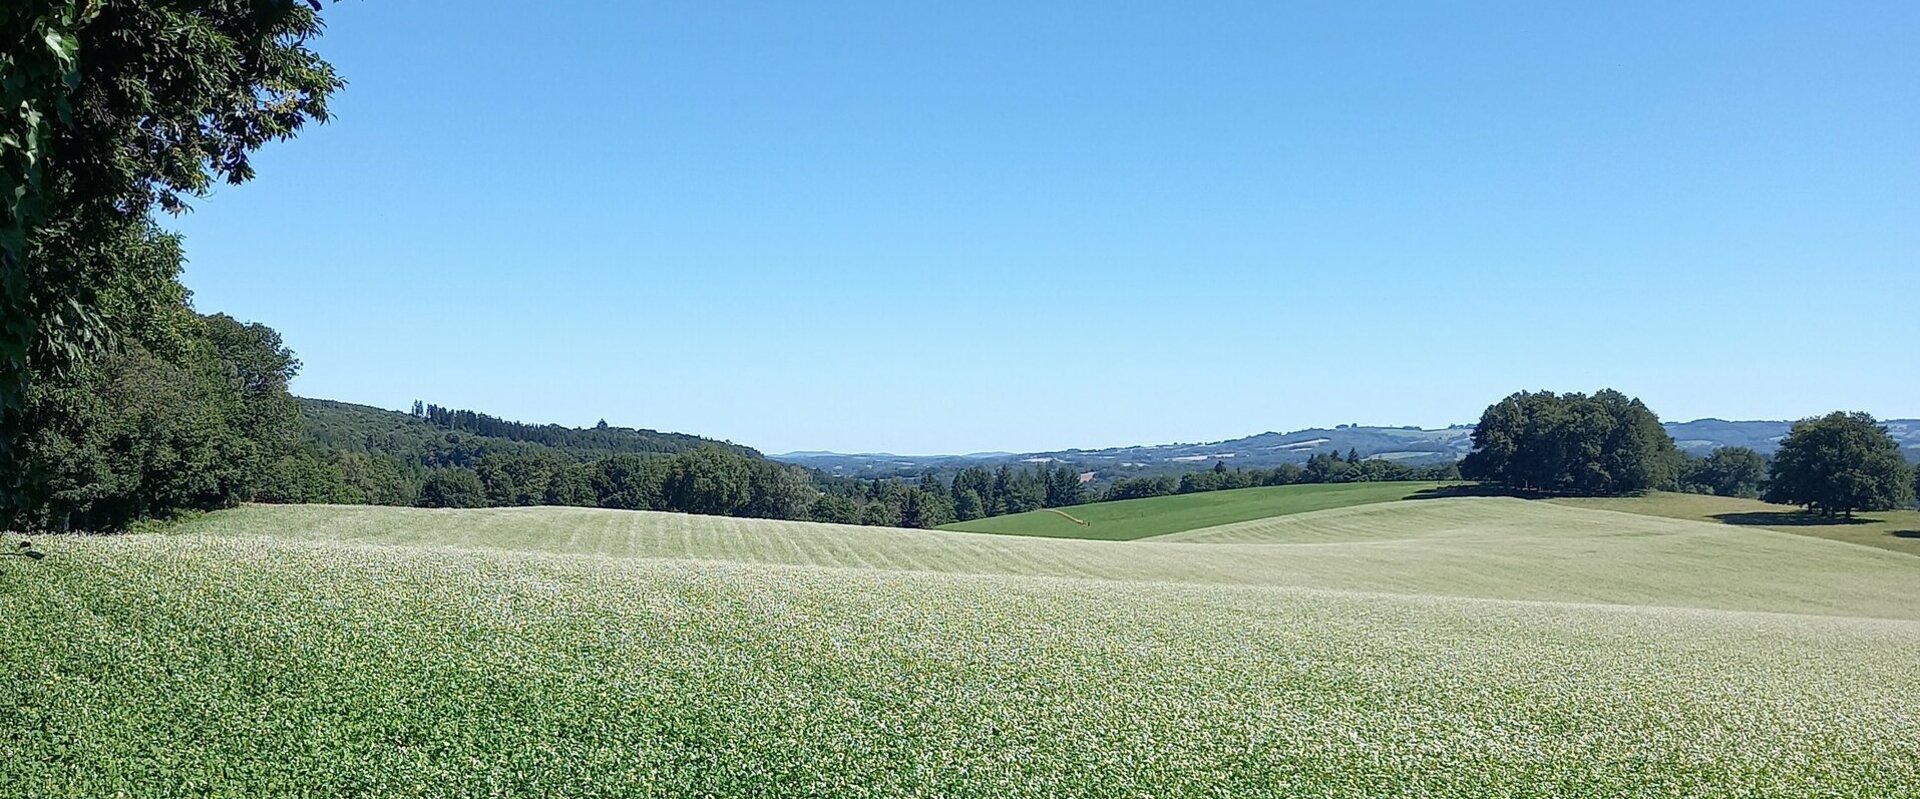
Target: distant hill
(1701, 436)
(1410, 445)
(365, 429)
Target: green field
(1130, 519)
(1898, 530)
(1438, 648)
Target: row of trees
(601, 438)
(1325, 467)
(1609, 444)
(1727, 472)
(709, 480)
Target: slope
(1470, 548)
(1897, 530)
(1129, 519)
(283, 651)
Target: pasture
(1439, 648)
(1897, 530)
(1129, 519)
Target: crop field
(1434, 648)
(1129, 519)
(1898, 530)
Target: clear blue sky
(1030, 226)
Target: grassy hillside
(1458, 647)
(1139, 518)
(1895, 530)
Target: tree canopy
(1606, 443)
(1838, 464)
(110, 110)
(1728, 472)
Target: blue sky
(921, 228)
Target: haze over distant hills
(1411, 445)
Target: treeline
(1325, 467)
(1610, 444)
(600, 438)
(189, 414)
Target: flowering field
(1435, 648)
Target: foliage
(1728, 472)
(1604, 444)
(109, 110)
(601, 439)
(138, 432)
(1838, 464)
(452, 487)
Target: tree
(630, 482)
(193, 417)
(707, 480)
(1838, 464)
(980, 483)
(108, 110)
(1063, 488)
(777, 492)
(880, 513)
(834, 509)
(1603, 444)
(452, 488)
(924, 509)
(1731, 472)
(1137, 487)
(967, 505)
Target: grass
(1130, 519)
(1443, 648)
(1895, 530)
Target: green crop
(1130, 519)
(1439, 648)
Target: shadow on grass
(1906, 534)
(1443, 492)
(1792, 518)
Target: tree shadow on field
(1793, 518)
(1906, 534)
(1471, 490)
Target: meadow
(1432, 648)
(1130, 519)
(1897, 530)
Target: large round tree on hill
(1607, 443)
(1838, 464)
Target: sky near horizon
(1014, 226)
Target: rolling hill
(1411, 445)
(368, 430)
(1432, 648)
(1129, 519)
